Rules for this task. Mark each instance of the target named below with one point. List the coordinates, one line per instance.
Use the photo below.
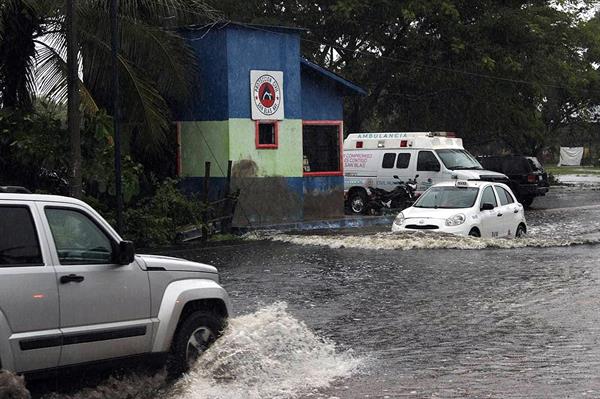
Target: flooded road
(358, 313)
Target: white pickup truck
(73, 292)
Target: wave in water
(418, 240)
(265, 354)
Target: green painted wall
(283, 161)
(219, 141)
(204, 141)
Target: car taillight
(531, 179)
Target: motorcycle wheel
(358, 202)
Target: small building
(276, 115)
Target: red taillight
(403, 143)
(451, 135)
(359, 144)
(531, 179)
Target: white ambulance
(382, 160)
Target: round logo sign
(267, 94)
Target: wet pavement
(329, 320)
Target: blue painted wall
(321, 99)
(209, 100)
(322, 184)
(225, 57)
(251, 49)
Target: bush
(156, 220)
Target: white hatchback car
(474, 208)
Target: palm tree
(156, 65)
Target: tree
(510, 72)
(156, 65)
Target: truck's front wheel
(194, 335)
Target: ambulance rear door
(361, 168)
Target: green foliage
(509, 73)
(32, 35)
(34, 151)
(156, 220)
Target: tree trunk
(73, 114)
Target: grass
(573, 170)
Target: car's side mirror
(126, 253)
(486, 206)
(396, 177)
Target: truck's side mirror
(486, 206)
(126, 253)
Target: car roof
(40, 198)
(471, 183)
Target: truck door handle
(71, 278)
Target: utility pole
(114, 30)
(73, 114)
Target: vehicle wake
(265, 354)
(418, 240)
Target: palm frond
(160, 54)
(51, 72)
(142, 104)
(165, 13)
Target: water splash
(419, 240)
(265, 354)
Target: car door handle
(71, 278)
(516, 211)
(500, 214)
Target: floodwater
(368, 314)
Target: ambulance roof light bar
(442, 134)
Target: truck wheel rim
(198, 342)
(357, 204)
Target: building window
(267, 134)
(321, 142)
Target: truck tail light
(531, 179)
(359, 144)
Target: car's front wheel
(193, 337)
(521, 231)
(474, 232)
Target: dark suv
(527, 176)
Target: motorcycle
(401, 197)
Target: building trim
(256, 134)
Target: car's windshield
(458, 159)
(448, 197)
